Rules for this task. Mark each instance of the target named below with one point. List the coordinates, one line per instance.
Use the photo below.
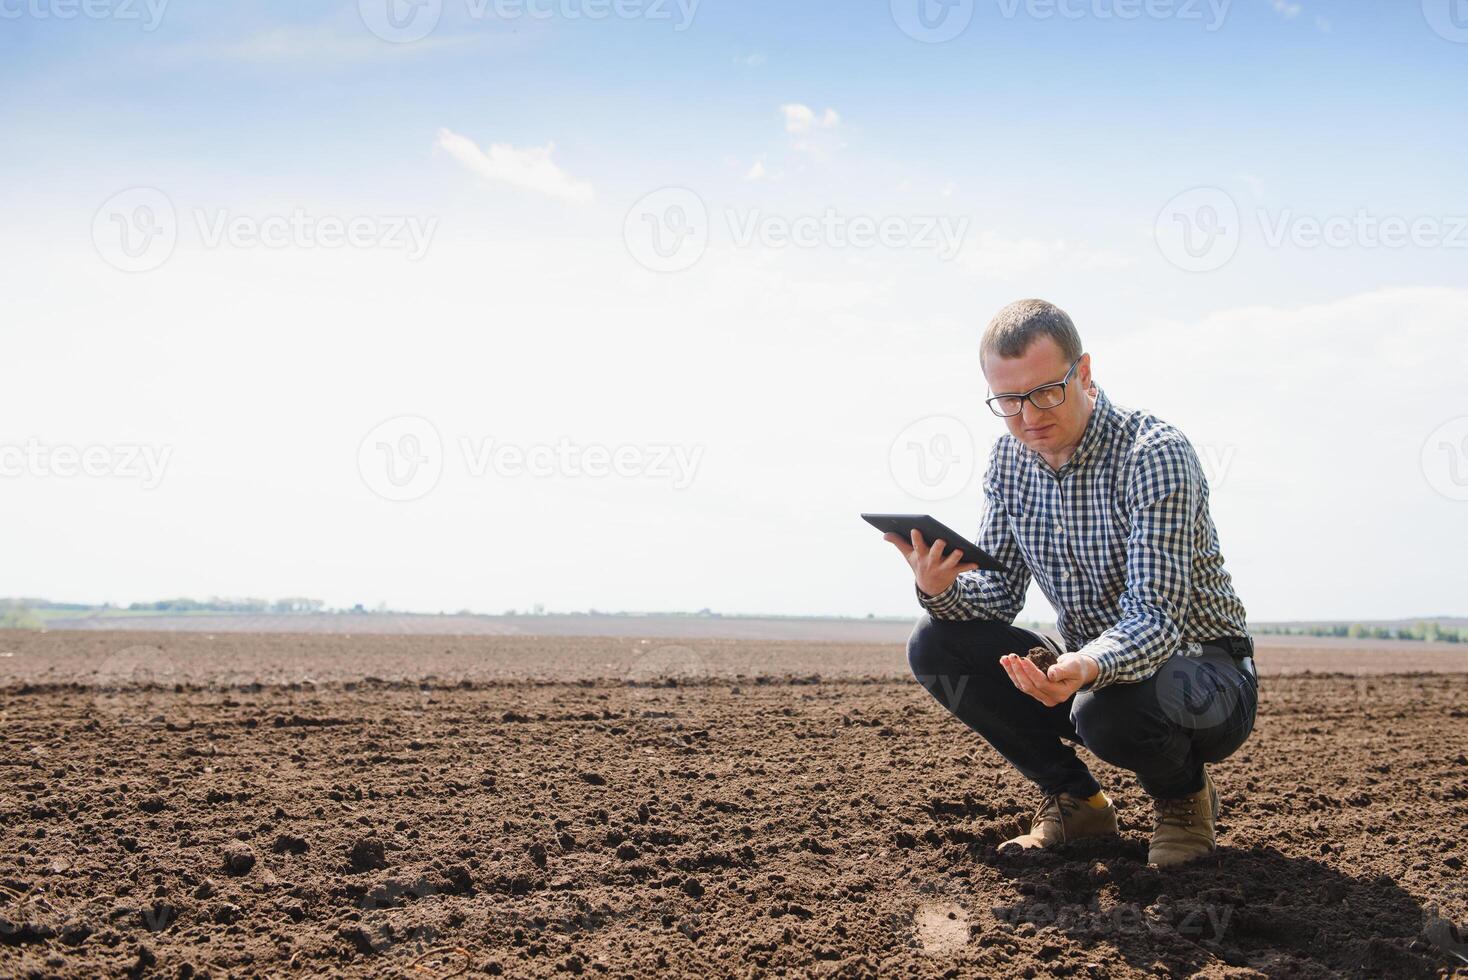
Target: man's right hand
(933, 573)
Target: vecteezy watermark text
(669, 230)
(1200, 230)
(832, 229)
(936, 21)
(1362, 229)
(1204, 922)
(1211, 13)
(144, 463)
(148, 12)
(676, 464)
(407, 21)
(679, 12)
(302, 229)
(137, 230)
(403, 459)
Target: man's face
(1047, 431)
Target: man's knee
(927, 647)
(1112, 725)
(944, 647)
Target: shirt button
(1065, 575)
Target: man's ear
(1083, 371)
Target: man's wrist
(940, 603)
(925, 594)
(1090, 671)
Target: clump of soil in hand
(1042, 657)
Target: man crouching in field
(1107, 508)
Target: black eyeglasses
(1047, 396)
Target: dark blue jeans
(1193, 710)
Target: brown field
(183, 805)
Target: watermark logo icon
(136, 230)
(1445, 458)
(933, 458)
(1444, 934)
(932, 21)
(1217, 461)
(654, 668)
(1196, 694)
(658, 672)
(1448, 19)
(667, 230)
(400, 21)
(1198, 230)
(401, 459)
(388, 913)
(134, 685)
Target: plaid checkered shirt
(1119, 540)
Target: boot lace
(1053, 809)
(1178, 812)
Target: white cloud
(816, 134)
(757, 172)
(750, 61)
(800, 120)
(1284, 8)
(530, 169)
(992, 256)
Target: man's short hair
(1020, 323)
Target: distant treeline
(289, 605)
(1429, 632)
(27, 613)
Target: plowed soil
(426, 806)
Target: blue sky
(1072, 157)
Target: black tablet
(932, 530)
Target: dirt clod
(1042, 657)
(239, 858)
(368, 854)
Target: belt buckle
(1240, 646)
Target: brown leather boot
(1065, 817)
(1184, 827)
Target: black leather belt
(1241, 648)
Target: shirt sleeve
(1163, 494)
(987, 594)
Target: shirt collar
(1101, 417)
